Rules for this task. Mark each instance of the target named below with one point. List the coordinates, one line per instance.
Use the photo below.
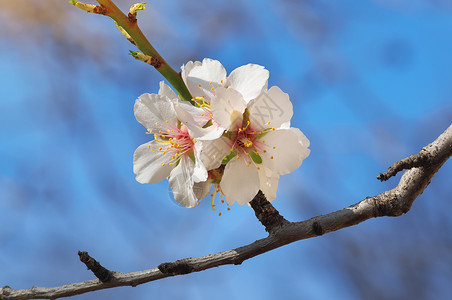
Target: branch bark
(392, 203)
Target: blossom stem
(142, 43)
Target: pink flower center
(175, 142)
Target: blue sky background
(370, 82)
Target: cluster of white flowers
(237, 137)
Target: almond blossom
(257, 144)
(173, 153)
(236, 136)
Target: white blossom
(173, 153)
(257, 144)
(237, 136)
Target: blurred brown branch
(394, 202)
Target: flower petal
(213, 152)
(240, 183)
(166, 90)
(284, 150)
(268, 183)
(201, 189)
(187, 68)
(205, 77)
(250, 80)
(191, 116)
(199, 170)
(195, 118)
(147, 164)
(181, 183)
(227, 107)
(153, 111)
(272, 106)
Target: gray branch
(392, 203)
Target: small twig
(102, 273)
(266, 213)
(421, 159)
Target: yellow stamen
(248, 143)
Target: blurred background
(370, 82)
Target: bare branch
(102, 273)
(266, 213)
(427, 157)
(414, 161)
(394, 202)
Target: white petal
(213, 152)
(201, 189)
(303, 140)
(147, 164)
(166, 90)
(195, 118)
(191, 116)
(289, 152)
(187, 68)
(240, 183)
(268, 183)
(199, 171)
(272, 106)
(152, 111)
(181, 183)
(209, 75)
(250, 80)
(227, 107)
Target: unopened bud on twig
(134, 10)
(91, 8)
(146, 58)
(124, 33)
